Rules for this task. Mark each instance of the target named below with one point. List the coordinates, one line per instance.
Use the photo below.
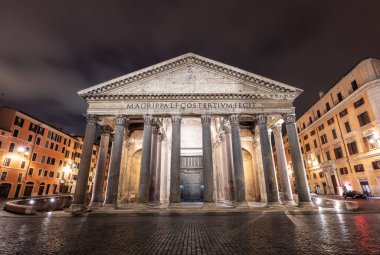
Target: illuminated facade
(37, 159)
(339, 134)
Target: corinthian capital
(121, 120)
(91, 119)
(206, 119)
(176, 120)
(106, 130)
(262, 119)
(289, 118)
(148, 120)
(234, 118)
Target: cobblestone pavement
(241, 233)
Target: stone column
(160, 138)
(153, 165)
(145, 160)
(84, 167)
(237, 159)
(273, 197)
(97, 193)
(114, 168)
(175, 196)
(229, 164)
(281, 161)
(298, 165)
(208, 177)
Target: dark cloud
(51, 49)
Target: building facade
(339, 134)
(189, 129)
(36, 158)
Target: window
(11, 147)
(58, 174)
(359, 103)
(312, 132)
(15, 133)
(64, 141)
(321, 127)
(324, 139)
(338, 153)
(49, 134)
(19, 122)
(46, 144)
(352, 148)
(52, 161)
(310, 120)
(315, 143)
(51, 146)
(60, 163)
(3, 176)
(34, 157)
(328, 106)
(347, 126)
(69, 143)
(19, 178)
(314, 176)
(41, 130)
(359, 168)
(51, 174)
(319, 159)
(305, 137)
(56, 147)
(318, 114)
(38, 141)
(340, 97)
(307, 147)
(343, 113)
(328, 156)
(30, 138)
(321, 174)
(39, 172)
(334, 133)
(354, 85)
(30, 172)
(22, 164)
(33, 127)
(370, 142)
(376, 165)
(46, 173)
(7, 162)
(343, 170)
(364, 119)
(63, 150)
(330, 121)
(48, 160)
(43, 159)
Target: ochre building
(189, 129)
(339, 135)
(36, 158)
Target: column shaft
(153, 166)
(114, 168)
(158, 169)
(208, 177)
(97, 193)
(84, 167)
(268, 165)
(281, 161)
(298, 165)
(175, 196)
(145, 161)
(237, 160)
(230, 167)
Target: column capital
(155, 129)
(121, 120)
(106, 130)
(262, 119)
(91, 119)
(206, 118)
(176, 119)
(234, 118)
(226, 129)
(148, 119)
(289, 118)
(277, 128)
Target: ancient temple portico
(191, 129)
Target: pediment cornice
(104, 90)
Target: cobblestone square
(237, 233)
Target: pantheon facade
(191, 129)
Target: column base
(108, 207)
(78, 209)
(306, 205)
(175, 205)
(243, 204)
(95, 205)
(274, 204)
(289, 203)
(209, 205)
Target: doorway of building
(335, 185)
(28, 189)
(4, 189)
(41, 188)
(365, 187)
(17, 192)
(191, 179)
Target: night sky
(49, 50)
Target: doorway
(4, 189)
(191, 186)
(335, 185)
(17, 192)
(28, 189)
(365, 187)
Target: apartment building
(340, 134)
(36, 158)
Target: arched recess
(248, 175)
(134, 177)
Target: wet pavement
(237, 233)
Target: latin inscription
(196, 105)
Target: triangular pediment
(191, 74)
